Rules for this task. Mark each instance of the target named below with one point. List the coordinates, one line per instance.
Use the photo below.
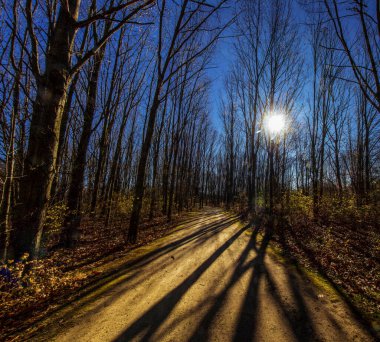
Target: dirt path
(211, 280)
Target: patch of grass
(316, 278)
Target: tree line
(322, 76)
(105, 110)
(98, 100)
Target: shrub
(300, 207)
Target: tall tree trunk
(7, 195)
(30, 212)
(165, 177)
(69, 234)
(114, 167)
(100, 167)
(140, 179)
(172, 179)
(61, 142)
(107, 127)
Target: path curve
(211, 280)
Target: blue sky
(223, 59)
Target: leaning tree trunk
(165, 177)
(100, 166)
(154, 176)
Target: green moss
(316, 279)
(319, 281)
(277, 253)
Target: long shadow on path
(152, 319)
(212, 223)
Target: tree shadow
(295, 317)
(298, 318)
(247, 321)
(312, 259)
(185, 224)
(196, 239)
(111, 279)
(152, 319)
(203, 330)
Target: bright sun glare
(275, 123)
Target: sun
(275, 123)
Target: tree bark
(70, 235)
(45, 125)
(139, 187)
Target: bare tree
(365, 67)
(49, 102)
(190, 19)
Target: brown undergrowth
(343, 245)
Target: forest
(124, 121)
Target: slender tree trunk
(114, 167)
(155, 162)
(154, 176)
(338, 173)
(62, 133)
(70, 233)
(107, 127)
(99, 168)
(165, 176)
(172, 179)
(139, 187)
(7, 197)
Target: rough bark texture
(41, 156)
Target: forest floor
(211, 279)
(346, 255)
